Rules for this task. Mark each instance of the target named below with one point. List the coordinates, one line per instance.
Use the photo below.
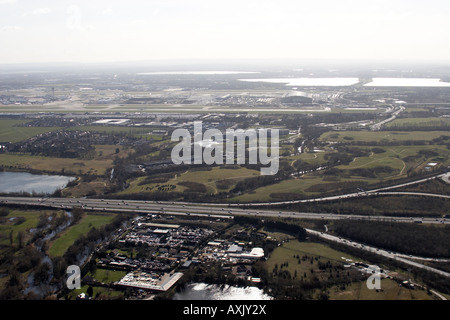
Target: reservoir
(203, 291)
(407, 82)
(309, 82)
(18, 182)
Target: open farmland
(381, 137)
(55, 165)
(12, 130)
(419, 122)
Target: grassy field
(390, 290)
(98, 293)
(59, 246)
(315, 159)
(11, 131)
(103, 160)
(106, 275)
(132, 131)
(399, 158)
(31, 220)
(57, 165)
(380, 136)
(289, 250)
(419, 122)
(286, 255)
(209, 178)
(299, 186)
(393, 157)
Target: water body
(193, 73)
(203, 291)
(18, 182)
(309, 82)
(407, 82)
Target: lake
(309, 82)
(193, 73)
(12, 182)
(203, 291)
(407, 82)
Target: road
(407, 259)
(185, 208)
(221, 210)
(446, 177)
(227, 211)
(378, 191)
(394, 115)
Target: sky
(38, 31)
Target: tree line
(409, 238)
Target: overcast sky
(108, 31)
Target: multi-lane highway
(227, 211)
(216, 208)
(407, 259)
(184, 208)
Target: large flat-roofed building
(143, 280)
(255, 253)
(234, 249)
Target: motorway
(199, 209)
(227, 211)
(407, 259)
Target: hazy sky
(133, 30)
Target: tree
(90, 291)
(323, 296)
(20, 238)
(42, 273)
(4, 212)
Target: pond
(24, 182)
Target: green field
(287, 251)
(11, 131)
(390, 290)
(399, 158)
(102, 161)
(31, 220)
(380, 136)
(99, 293)
(59, 246)
(286, 255)
(106, 275)
(419, 122)
(133, 131)
(57, 165)
(209, 178)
